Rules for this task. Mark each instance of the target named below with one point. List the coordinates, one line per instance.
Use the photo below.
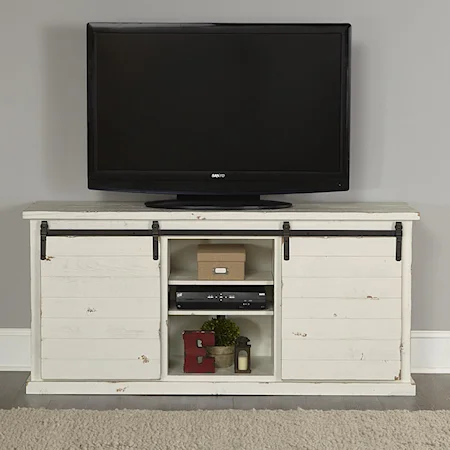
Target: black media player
(219, 297)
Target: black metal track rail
(286, 233)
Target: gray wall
(401, 116)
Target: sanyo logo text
(217, 175)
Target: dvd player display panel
(211, 297)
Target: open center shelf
(258, 328)
(258, 264)
(256, 324)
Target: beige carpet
(37, 429)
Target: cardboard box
(221, 262)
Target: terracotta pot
(224, 356)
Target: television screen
(218, 108)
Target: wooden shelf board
(209, 312)
(190, 278)
(262, 366)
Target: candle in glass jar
(242, 362)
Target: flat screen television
(218, 114)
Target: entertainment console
(339, 322)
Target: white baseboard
(430, 350)
(15, 353)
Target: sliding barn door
(341, 309)
(100, 300)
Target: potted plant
(226, 332)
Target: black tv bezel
(234, 182)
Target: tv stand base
(366, 388)
(218, 202)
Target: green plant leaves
(226, 331)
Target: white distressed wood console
(340, 321)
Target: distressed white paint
(342, 267)
(375, 388)
(342, 308)
(265, 224)
(335, 299)
(343, 246)
(342, 225)
(390, 212)
(342, 311)
(99, 266)
(123, 349)
(341, 350)
(114, 369)
(340, 370)
(277, 305)
(164, 329)
(350, 326)
(101, 308)
(342, 287)
(98, 245)
(201, 223)
(114, 287)
(351, 329)
(101, 225)
(100, 328)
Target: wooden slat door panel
(99, 246)
(98, 328)
(101, 309)
(112, 287)
(348, 329)
(99, 266)
(343, 267)
(105, 308)
(341, 309)
(342, 287)
(341, 370)
(88, 369)
(122, 349)
(343, 246)
(341, 350)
